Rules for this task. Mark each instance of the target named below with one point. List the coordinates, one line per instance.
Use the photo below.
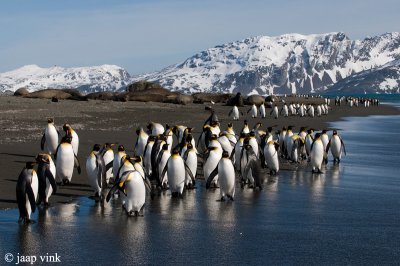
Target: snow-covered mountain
(384, 79)
(85, 79)
(284, 64)
(290, 63)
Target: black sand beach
(23, 120)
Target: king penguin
(253, 111)
(226, 173)
(96, 171)
(69, 131)
(26, 192)
(108, 156)
(262, 111)
(190, 158)
(337, 147)
(177, 169)
(234, 113)
(66, 160)
(317, 154)
(46, 172)
(141, 142)
(49, 140)
(117, 160)
(271, 157)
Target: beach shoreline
(23, 120)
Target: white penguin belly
(49, 188)
(317, 155)
(271, 157)
(35, 188)
(135, 192)
(176, 174)
(65, 162)
(51, 136)
(226, 174)
(108, 158)
(91, 171)
(191, 162)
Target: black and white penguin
(317, 154)
(251, 168)
(49, 140)
(226, 173)
(108, 156)
(96, 171)
(337, 147)
(69, 131)
(66, 160)
(234, 113)
(141, 142)
(46, 172)
(177, 169)
(26, 192)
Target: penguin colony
(169, 158)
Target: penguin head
(214, 137)
(324, 131)
(284, 128)
(50, 120)
(225, 154)
(334, 132)
(317, 135)
(214, 123)
(151, 138)
(66, 139)
(245, 122)
(302, 129)
(165, 147)
(222, 134)
(121, 148)
(230, 125)
(246, 141)
(30, 165)
(189, 146)
(189, 138)
(242, 135)
(252, 133)
(175, 152)
(67, 127)
(310, 131)
(258, 125)
(42, 158)
(108, 146)
(96, 147)
(135, 159)
(138, 131)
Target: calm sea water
(348, 215)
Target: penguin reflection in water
(226, 173)
(26, 192)
(132, 183)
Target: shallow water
(348, 215)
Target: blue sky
(144, 36)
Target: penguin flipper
(31, 197)
(344, 147)
(55, 154)
(112, 191)
(43, 140)
(51, 179)
(189, 172)
(328, 146)
(77, 164)
(211, 177)
(165, 168)
(109, 166)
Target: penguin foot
(230, 197)
(222, 199)
(65, 182)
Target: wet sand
(22, 122)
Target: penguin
(237, 151)
(226, 173)
(147, 154)
(74, 137)
(319, 110)
(96, 171)
(271, 157)
(254, 144)
(225, 143)
(317, 154)
(66, 159)
(311, 111)
(204, 138)
(46, 171)
(26, 192)
(234, 113)
(169, 133)
(288, 135)
(162, 160)
(190, 158)
(230, 133)
(295, 148)
(108, 156)
(337, 147)
(282, 138)
(275, 112)
(284, 110)
(177, 169)
(211, 161)
(155, 129)
(178, 131)
(262, 111)
(212, 119)
(215, 129)
(250, 168)
(141, 142)
(309, 139)
(253, 111)
(325, 141)
(132, 185)
(49, 140)
(245, 129)
(126, 165)
(117, 161)
(159, 141)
